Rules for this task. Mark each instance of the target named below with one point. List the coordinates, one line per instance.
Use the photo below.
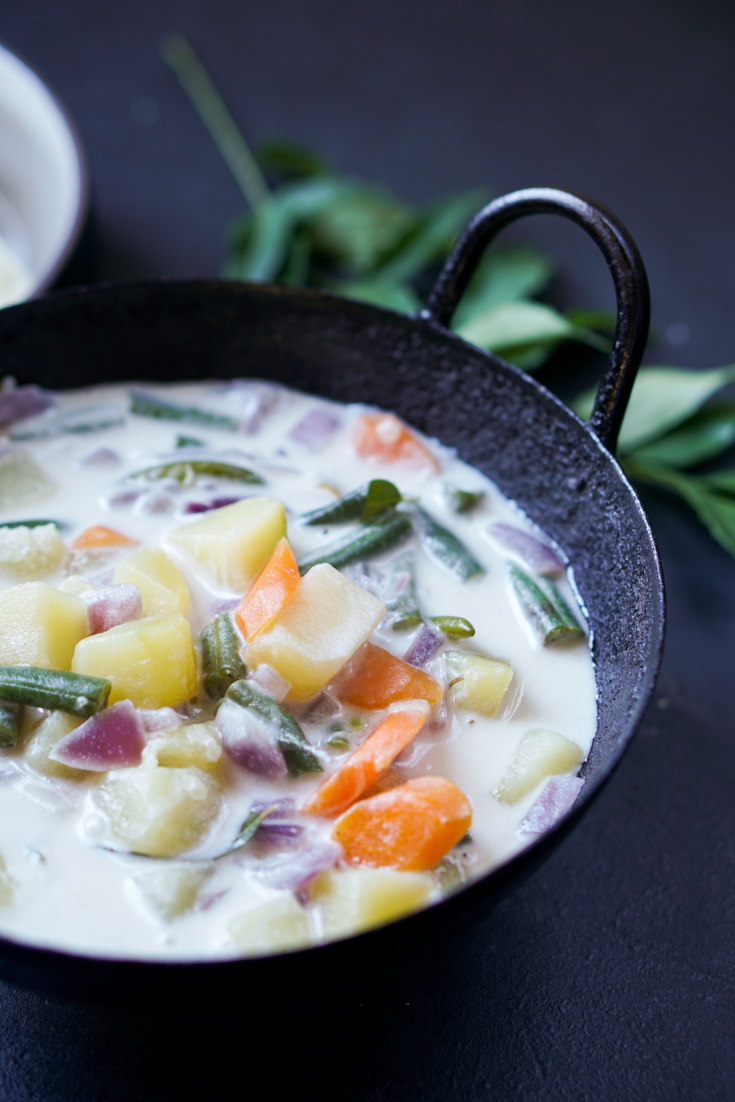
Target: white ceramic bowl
(43, 183)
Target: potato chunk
(276, 926)
(29, 552)
(160, 582)
(233, 543)
(42, 741)
(483, 684)
(7, 886)
(319, 629)
(21, 479)
(158, 811)
(173, 890)
(541, 754)
(150, 662)
(196, 744)
(40, 626)
(351, 900)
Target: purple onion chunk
(158, 719)
(205, 506)
(100, 457)
(279, 826)
(428, 642)
(316, 429)
(297, 870)
(112, 605)
(249, 742)
(113, 739)
(23, 402)
(557, 796)
(535, 553)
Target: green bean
(147, 405)
(189, 442)
(444, 547)
(291, 740)
(462, 501)
(454, 627)
(545, 608)
(187, 470)
(365, 503)
(41, 688)
(364, 544)
(11, 716)
(31, 523)
(221, 660)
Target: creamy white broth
(69, 890)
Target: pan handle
(626, 266)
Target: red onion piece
(155, 503)
(270, 682)
(158, 719)
(534, 552)
(101, 457)
(280, 826)
(249, 742)
(321, 708)
(111, 740)
(557, 796)
(204, 507)
(22, 402)
(316, 429)
(112, 605)
(299, 869)
(424, 647)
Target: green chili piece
(187, 470)
(365, 503)
(58, 689)
(11, 716)
(222, 663)
(454, 627)
(364, 544)
(147, 405)
(544, 607)
(462, 501)
(440, 545)
(291, 740)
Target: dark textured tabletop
(608, 974)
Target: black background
(610, 973)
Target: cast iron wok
(558, 469)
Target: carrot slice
(274, 586)
(355, 775)
(410, 827)
(375, 678)
(99, 535)
(384, 437)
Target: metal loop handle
(626, 266)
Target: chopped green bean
(544, 607)
(462, 501)
(222, 663)
(31, 524)
(291, 740)
(188, 470)
(189, 442)
(147, 405)
(444, 547)
(454, 627)
(11, 716)
(58, 689)
(365, 503)
(364, 544)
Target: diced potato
(351, 900)
(22, 480)
(160, 582)
(276, 926)
(158, 811)
(150, 662)
(30, 552)
(40, 626)
(42, 741)
(541, 754)
(7, 886)
(76, 585)
(233, 543)
(196, 744)
(483, 684)
(320, 628)
(172, 890)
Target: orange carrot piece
(410, 827)
(359, 771)
(274, 586)
(99, 535)
(375, 678)
(384, 437)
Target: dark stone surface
(610, 972)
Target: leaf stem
(212, 110)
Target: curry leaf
(504, 276)
(359, 226)
(715, 510)
(291, 161)
(512, 325)
(431, 236)
(381, 495)
(704, 436)
(381, 292)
